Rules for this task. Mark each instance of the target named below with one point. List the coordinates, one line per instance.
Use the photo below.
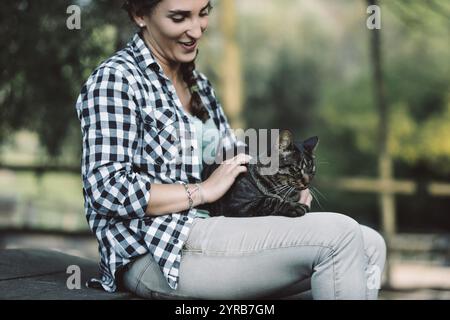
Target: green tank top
(207, 141)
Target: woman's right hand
(306, 198)
(223, 177)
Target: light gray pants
(319, 256)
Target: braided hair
(145, 7)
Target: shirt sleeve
(107, 110)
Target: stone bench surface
(42, 275)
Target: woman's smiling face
(174, 28)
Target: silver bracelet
(190, 193)
(191, 202)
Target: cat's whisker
(318, 195)
(318, 192)
(272, 190)
(288, 192)
(277, 188)
(276, 191)
(314, 195)
(282, 190)
(285, 192)
(316, 198)
(293, 189)
(321, 194)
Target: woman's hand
(223, 177)
(306, 198)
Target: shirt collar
(143, 55)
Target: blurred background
(378, 99)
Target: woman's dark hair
(145, 7)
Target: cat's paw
(294, 209)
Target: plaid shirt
(136, 133)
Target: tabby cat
(254, 194)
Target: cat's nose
(305, 179)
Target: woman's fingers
(241, 158)
(306, 197)
(229, 166)
(223, 177)
(238, 170)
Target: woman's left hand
(306, 198)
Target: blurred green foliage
(43, 65)
(306, 66)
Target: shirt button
(192, 148)
(185, 218)
(175, 241)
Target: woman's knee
(374, 244)
(340, 222)
(338, 228)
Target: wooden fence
(384, 188)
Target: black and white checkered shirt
(136, 133)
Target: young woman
(140, 112)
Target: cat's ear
(310, 144)
(286, 140)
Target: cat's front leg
(272, 206)
(292, 209)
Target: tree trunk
(386, 199)
(231, 79)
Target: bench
(42, 275)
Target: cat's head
(296, 165)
